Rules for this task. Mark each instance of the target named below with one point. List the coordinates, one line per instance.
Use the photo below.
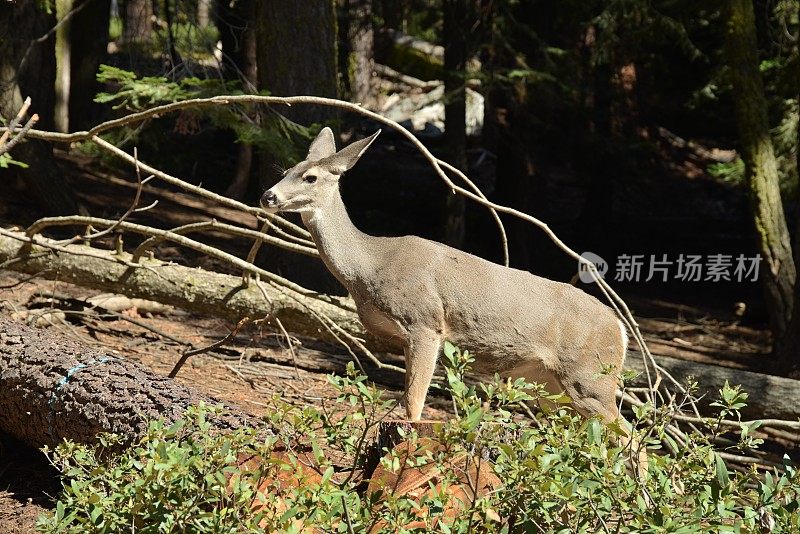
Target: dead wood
(195, 290)
(53, 387)
(224, 296)
(772, 397)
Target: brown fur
(418, 293)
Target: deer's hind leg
(421, 353)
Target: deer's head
(310, 184)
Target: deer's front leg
(421, 355)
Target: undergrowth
(557, 473)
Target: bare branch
(619, 305)
(199, 191)
(36, 227)
(193, 352)
(213, 224)
(16, 120)
(128, 212)
(20, 135)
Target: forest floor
(257, 364)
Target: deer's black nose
(269, 199)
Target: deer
(414, 294)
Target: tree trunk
(88, 41)
(770, 397)
(297, 53)
(778, 269)
(237, 34)
(392, 12)
(52, 388)
(27, 68)
(789, 346)
(221, 295)
(63, 67)
(137, 21)
(359, 60)
(456, 26)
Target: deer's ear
(347, 157)
(323, 146)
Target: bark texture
(237, 35)
(297, 52)
(200, 291)
(28, 68)
(203, 12)
(138, 21)
(53, 387)
(762, 170)
(223, 296)
(63, 67)
(296, 55)
(88, 41)
(789, 345)
(789, 348)
(360, 49)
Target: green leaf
(723, 478)
(449, 350)
(594, 431)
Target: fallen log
(412, 56)
(225, 296)
(52, 387)
(195, 290)
(770, 397)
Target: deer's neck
(342, 246)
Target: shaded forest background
(631, 127)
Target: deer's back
(509, 314)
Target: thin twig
(280, 325)
(49, 33)
(16, 120)
(620, 306)
(36, 228)
(347, 516)
(213, 224)
(251, 256)
(131, 209)
(20, 135)
(193, 352)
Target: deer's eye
(309, 178)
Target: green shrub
(557, 473)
